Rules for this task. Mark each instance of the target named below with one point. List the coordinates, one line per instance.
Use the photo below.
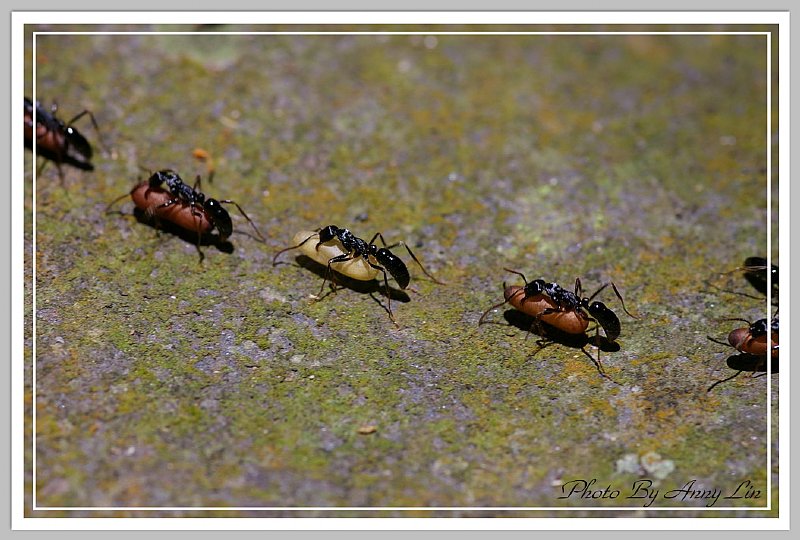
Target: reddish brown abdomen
(741, 340)
(52, 141)
(189, 217)
(571, 322)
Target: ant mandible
(751, 341)
(185, 206)
(57, 140)
(354, 257)
(567, 311)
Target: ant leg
(616, 291)
(42, 165)
(344, 257)
(598, 365)
(737, 293)
(761, 365)
(401, 243)
(537, 328)
(59, 158)
(537, 321)
(228, 201)
(388, 291)
(200, 252)
(275, 258)
(621, 301)
(542, 343)
(195, 214)
(151, 210)
(723, 380)
(578, 282)
(579, 288)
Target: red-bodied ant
(185, 206)
(57, 140)
(567, 311)
(340, 250)
(751, 341)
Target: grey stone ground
(163, 382)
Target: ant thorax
(356, 268)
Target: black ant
(755, 270)
(57, 140)
(354, 257)
(568, 311)
(185, 206)
(751, 341)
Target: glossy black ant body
(574, 301)
(190, 195)
(567, 311)
(751, 341)
(356, 247)
(755, 272)
(57, 140)
(185, 206)
(355, 257)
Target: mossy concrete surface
(164, 382)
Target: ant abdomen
(605, 318)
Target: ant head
(328, 233)
(167, 176)
(758, 328)
(220, 217)
(534, 287)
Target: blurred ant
(755, 270)
(57, 140)
(567, 311)
(354, 257)
(184, 206)
(751, 341)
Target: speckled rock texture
(164, 382)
